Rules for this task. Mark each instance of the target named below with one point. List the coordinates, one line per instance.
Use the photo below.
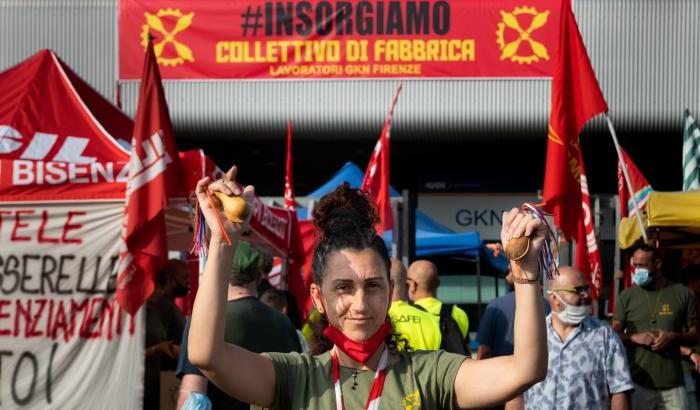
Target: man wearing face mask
(587, 365)
(654, 319)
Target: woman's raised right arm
(486, 383)
(242, 374)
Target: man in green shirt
(249, 323)
(654, 319)
(420, 328)
(423, 282)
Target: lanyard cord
(375, 392)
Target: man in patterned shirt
(587, 363)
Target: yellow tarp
(664, 209)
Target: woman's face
(356, 293)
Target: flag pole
(627, 176)
(394, 101)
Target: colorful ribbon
(549, 257)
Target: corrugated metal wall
(645, 53)
(82, 32)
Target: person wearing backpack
(423, 282)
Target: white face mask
(572, 314)
(641, 277)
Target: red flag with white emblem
(296, 256)
(153, 169)
(376, 180)
(588, 259)
(289, 201)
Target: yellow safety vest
(433, 306)
(421, 329)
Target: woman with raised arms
(361, 368)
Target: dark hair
(648, 248)
(274, 298)
(169, 271)
(243, 277)
(345, 219)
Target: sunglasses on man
(575, 289)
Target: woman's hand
(517, 224)
(227, 185)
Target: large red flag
(588, 259)
(376, 180)
(152, 174)
(576, 98)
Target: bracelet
(525, 281)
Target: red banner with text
(269, 39)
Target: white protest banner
(64, 342)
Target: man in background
(495, 334)
(249, 323)
(420, 328)
(164, 325)
(277, 299)
(423, 282)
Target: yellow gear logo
(411, 401)
(512, 21)
(154, 22)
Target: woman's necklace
(375, 392)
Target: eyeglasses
(576, 289)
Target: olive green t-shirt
(670, 308)
(418, 380)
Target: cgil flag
(152, 174)
(640, 187)
(296, 254)
(289, 200)
(588, 259)
(376, 179)
(691, 153)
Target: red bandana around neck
(358, 351)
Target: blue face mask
(641, 277)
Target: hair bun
(345, 207)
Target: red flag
(376, 180)
(640, 187)
(296, 255)
(576, 98)
(588, 259)
(289, 201)
(152, 174)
